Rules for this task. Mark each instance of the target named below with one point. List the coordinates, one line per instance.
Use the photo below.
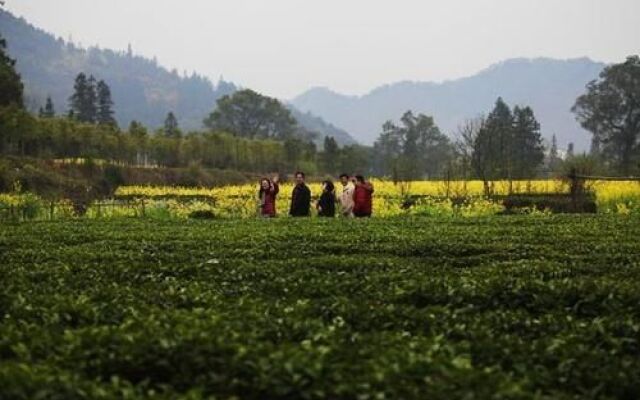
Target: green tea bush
(499, 307)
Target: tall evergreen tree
(92, 99)
(11, 87)
(492, 157)
(527, 149)
(105, 104)
(570, 150)
(82, 103)
(554, 156)
(49, 110)
(171, 128)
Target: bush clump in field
(202, 214)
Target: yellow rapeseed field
(240, 200)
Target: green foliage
(104, 112)
(500, 307)
(171, 128)
(11, 87)
(610, 110)
(414, 150)
(48, 111)
(507, 144)
(83, 105)
(250, 114)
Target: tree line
(251, 132)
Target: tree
(492, 158)
(355, 159)
(527, 153)
(507, 145)
(250, 114)
(104, 107)
(171, 128)
(11, 87)
(570, 150)
(49, 110)
(610, 110)
(330, 155)
(555, 161)
(412, 150)
(83, 105)
(139, 134)
(137, 130)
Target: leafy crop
(508, 307)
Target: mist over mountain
(314, 123)
(142, 90)
(549, 86)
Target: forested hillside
(142, 90)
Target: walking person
(300, 198)
(362, 198)
(346, 197)
(327, 204)
(269, 190)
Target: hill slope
(142, 89)
(549, 86)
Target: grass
(495, 307)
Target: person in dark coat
(300, 198)
(362, 198)
(267, 197)
(327, 204)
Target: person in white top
(346, 197)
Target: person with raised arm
(267, 194)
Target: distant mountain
(549, 86)
(142, 90)
(316, 124)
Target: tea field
(501, 307)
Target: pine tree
(492, 153)
(92, 100)
(77, 99)
(527, 148)
(554, 157)
(171, 128)
(105, 104)
(49, 110)
(11, 87)
(570, 150)
(83, 100)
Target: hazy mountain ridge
(316, 124)
(550, 86)
(142, 90)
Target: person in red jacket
(267, 197)
(362, 198)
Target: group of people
(355, 200)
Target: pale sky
(283, 47)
